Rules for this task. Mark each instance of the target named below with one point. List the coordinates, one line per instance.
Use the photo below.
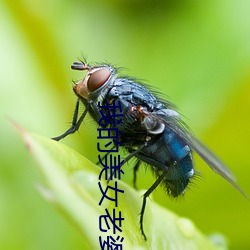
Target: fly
(151, 130)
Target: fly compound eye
(97, 79)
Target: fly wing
(207, 155)
(174, 123)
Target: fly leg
(75, 124)
(145, 196)
(136, 167)
(132, 154)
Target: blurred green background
(196, 53)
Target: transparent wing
(175, 124)
(207, 155)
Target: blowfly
(151, 129)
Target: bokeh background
(195, 52)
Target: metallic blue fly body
(151, 129)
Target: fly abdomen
(178, 176)
(177, 147)
(180, 166)
(171, 155)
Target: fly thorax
(152, 125)
(168, 114)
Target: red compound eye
(97, 79)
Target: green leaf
(72, 186)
